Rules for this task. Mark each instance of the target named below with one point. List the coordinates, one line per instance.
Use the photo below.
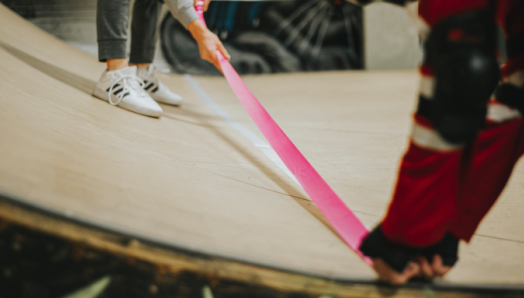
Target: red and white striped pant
(443, 187)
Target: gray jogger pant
(112, 18)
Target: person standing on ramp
(468, 134)
(135, 86)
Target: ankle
(139, 65)
(116, 64)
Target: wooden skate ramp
(190, 182)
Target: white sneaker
(156, 89)
(124, 88)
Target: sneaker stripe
(155, 90)
(125, 94)
(116, 86)
(118, 91)
(149, 86)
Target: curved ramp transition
(190, 184)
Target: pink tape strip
(343, 220)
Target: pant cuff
(111, 49)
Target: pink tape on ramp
(343, 220)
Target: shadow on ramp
(62, 75)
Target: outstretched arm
(208, 42)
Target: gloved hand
(397, 264)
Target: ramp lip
(199, 253)
(150, 241)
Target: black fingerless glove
(376, 245)
(397, 256)
(447, 248)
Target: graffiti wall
(272, 36)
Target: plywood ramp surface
(190, 180)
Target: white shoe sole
(176, 104)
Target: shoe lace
(129, 83)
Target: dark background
(271, 37)
(261, 36)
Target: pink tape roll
(343, 220)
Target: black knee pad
(461, 52)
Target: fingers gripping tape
(461, 52)
(377, 245)
(447, 248)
